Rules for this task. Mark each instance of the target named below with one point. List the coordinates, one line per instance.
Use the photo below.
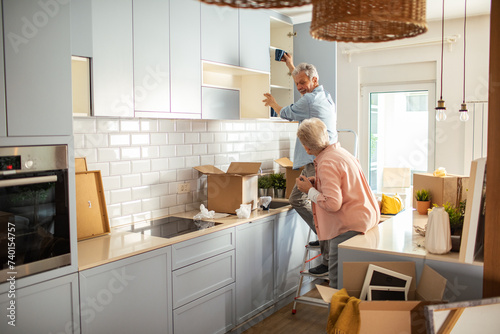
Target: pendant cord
(465, 22)
(442, 51)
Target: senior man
(314, 102)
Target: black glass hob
(169, 227)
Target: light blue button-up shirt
(317, 104)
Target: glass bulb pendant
(464, 115)
(440, 111)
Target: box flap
(208, 169)
(326, 292)
(244, 168)
(284, 162)
(431, 286)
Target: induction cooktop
(171, 226)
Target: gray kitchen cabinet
(185, 55)
(48, 307)
(255, 39)
(255, 268)
(3, 114)
(219, 34)
(112, 70)
(131, 295)
(151, 55)
(81, 28)
(210, 314)
(291, 237)
(220, 103)
(37, 68)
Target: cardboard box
(227, 191)
(450, 188)
(391, 316)
(290, 174)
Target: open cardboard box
(227, 191)
(443, 189)
(391, 316)
(290, 174)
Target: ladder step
(306, 273)
(311, 301)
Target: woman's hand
(303, 184)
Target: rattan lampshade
(367, 20)
(256, 4)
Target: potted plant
(264, 183)
(279, 184)
(456, 223)
(423, 198)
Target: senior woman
(342, 201)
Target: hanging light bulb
(440, 109)
(464, 115)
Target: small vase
(262, 192)
(280, 193)
(422, 207)
(270, 192)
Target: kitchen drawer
(201, 278)
(213, 313)
(198, 249)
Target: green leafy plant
(455, 214)
(423, 195)
(278, 181)
(264, 182)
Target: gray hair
(308, 69)
(312, 133)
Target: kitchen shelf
(281, 79)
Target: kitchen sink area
(171, 226)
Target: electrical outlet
(183, 188)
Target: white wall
(449, 135)
(143, 160)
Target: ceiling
(452, 9)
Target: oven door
(34, 223)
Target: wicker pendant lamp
(256, 4)
(363, 21)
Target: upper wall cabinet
(151, 56)
(112, 58)
(254, 39)
(37, 68)
(282, 84)
(219, 34)
(185, 55)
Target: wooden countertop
(120, 244)
(397, 235)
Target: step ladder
(305, 273)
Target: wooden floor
(308, 319)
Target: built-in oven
(34, 210)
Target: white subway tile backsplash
(150, 178)
(95, 140)
(130, 125)
(167, 125)
(131, 180)
(226, 148)
(176, 138)
(150, 204)
(233, 137)
(103, 167)
(220, 137)
(221, 159)
(120, 167)
(84, 125)
(199, 126)
(239, 126)
(184, 198)
(140, 139)
(176, 209)
(199, 149)
(191, 138)
(182, 126)
(119, 140)
(158, 138)
(207, 160)
(184, 174)
(207, 137)
(90, 155)
(160, 189)
(128, 208)
(107, 125)
(176, 163)
(160, 164)
(150, 152)
(124, 220)
(114, 210)
(142, 193)
(149, 125)
(213, 148)
(183, 150)
(226, 126)
(108, 154)
(120, 195)
(131, 153)
(214, 126)
(141, 166)
(78, 140)
(167, 151)
(192, 161)
(111, 182)
(168, 201)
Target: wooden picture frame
(473, 228)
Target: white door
(397, 129)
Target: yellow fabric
(344, 317)
(390, 204)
